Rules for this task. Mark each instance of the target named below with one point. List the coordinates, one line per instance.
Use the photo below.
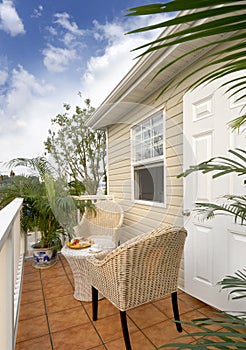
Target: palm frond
(175, 6)
(231, 333)
(38, 165)
(238, 122)
(221, 165)
(221, 330)
(237, 282)
(233, 205)
(213, 75)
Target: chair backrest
(105, 220)
(108, 214)
(143, 269)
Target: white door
(217, 247)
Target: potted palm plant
(47, 208)
(40, 217)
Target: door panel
(217, 247)
(202, 146)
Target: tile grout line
(141, 331)
(46, 311)
(138, 328)
(185, 333)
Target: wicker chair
(141, 270)
(106, 220)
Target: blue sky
(50, 51)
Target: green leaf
(238, 122)
(237, 282)
(174, 6)
(221, 165)
(233, 205)
(195, 17)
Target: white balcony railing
(12, 248)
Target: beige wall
(140, 218)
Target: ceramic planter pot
(44, 257)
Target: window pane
(149, 183)
(148, 138)
(158, 146)
(158, 136)
(145, 184)
(146, 130)
(157, 120)
(146, 150)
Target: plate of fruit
(79, 243)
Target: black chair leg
(125, 330)
(176, 311)
(94, 303)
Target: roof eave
(138, 78)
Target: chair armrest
(97, 259)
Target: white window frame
(148, 162)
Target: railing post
(10, 251)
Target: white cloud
(37, 12)
(57, 59)
(26, 113)
(109, 31)
(3, 77)
(10, 21)
(21, 102)
(24, 87)
(64, 20)
(52, 31)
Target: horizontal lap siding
(143, 218)
(119, 165)
(119, 162)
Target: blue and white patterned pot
(44, 257)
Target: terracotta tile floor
(51, 319)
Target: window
(148, 159)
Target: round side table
(77, 261)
